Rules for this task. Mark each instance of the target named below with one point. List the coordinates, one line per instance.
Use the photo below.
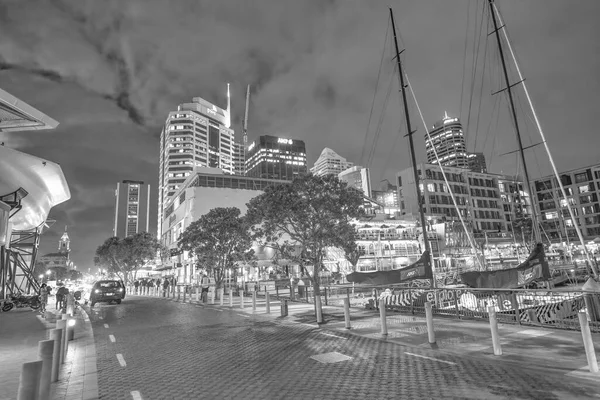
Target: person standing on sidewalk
(43, 298)
(165, 287)
(136, 284)
(205, 283)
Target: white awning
(42, 179)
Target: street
(154, 348)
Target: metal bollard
(494, 329)
(347, 313)
(212, 296)
(429, 317)
(184, 293)
(197, 294)
(56, 337)
(268, 304)
(29, 384)
(62, 324)
(382, 317)
(284, 308)
(230, 298)
(45, 353)
(71, 322)
(241, 299)
(319, 309)
(221, 292)
(178, 293)
(588, 344)
(253, 301)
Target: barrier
(586, 334)
(45, 353)
(29, 383)
(268, 303)
(429, 318)
(56, 337)
(382, 317)
(241, 299)
(62, 325)
(347, 313)
(230, 298)
(494, 329)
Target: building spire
(446, 115)
(228, 111)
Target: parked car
(108, 291)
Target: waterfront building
(330, 163)
(582, 186)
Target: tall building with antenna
(197, 134)
(449, 142)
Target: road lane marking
(112, 338)
(121, 360)
(244, 315)
(429, 358)
(136, 395)
(335, 336)
(106, 326)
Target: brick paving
(180, 351)
(20, 332)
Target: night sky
(109, 72)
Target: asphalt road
(153, 348)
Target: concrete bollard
(284, 308)
(588, 344)
(71, 329)
(62, 324)
(56, 336)
(347, 313)
(429, 317)
(221, 291)
(45, 353)
(70, 304)
(494, 329)
(253, 301)
(230, 298)
(268, 303)
(382, 317)
(241, 299)
(319, 309)
(197, 294)
(29, 384)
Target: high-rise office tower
(449, 142)
(275, 157)
(330, 163)
(198, 134)
(132, 208)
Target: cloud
(110, 72)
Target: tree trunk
(317, 291)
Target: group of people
(158, 283)
(60, 296)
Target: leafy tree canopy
(301, 219)
(124, 257)
(218, 239)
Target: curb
(78, 377)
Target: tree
(124, 257)
(218, 239)
(304, 217)
(352, 252)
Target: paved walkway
(20, 332)
(525, 344)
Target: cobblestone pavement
(160, 349)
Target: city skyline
(312, 81)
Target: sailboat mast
(534, 219)
(410, 141)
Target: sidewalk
(559, 351)
(20, 332)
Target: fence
(537, 307)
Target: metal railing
(536, 307)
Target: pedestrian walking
(136, 284)
(165, 287)
(60, 297)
